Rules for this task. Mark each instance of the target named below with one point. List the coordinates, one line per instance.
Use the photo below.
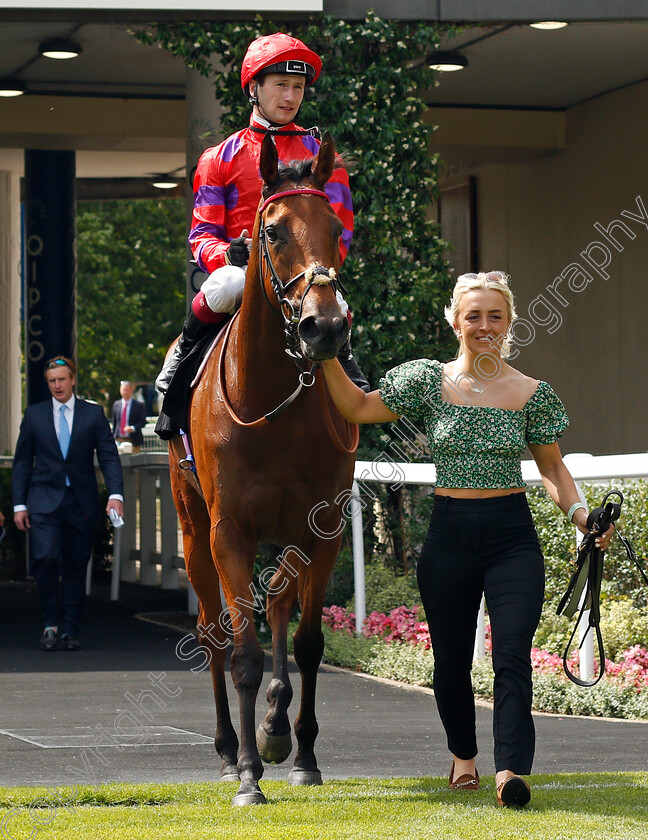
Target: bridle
(315, 276)
(291, 314)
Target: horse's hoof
(304, 777)
(273, 749)
(254, 797)
(229, 777)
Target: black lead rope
(584, 589)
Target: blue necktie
(64, 432)
(64, 437)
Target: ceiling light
(12, 87)
(447, 62)
(60, 48)
(165, 182)
(549, 24)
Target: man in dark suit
(129, 417)
(56, 496)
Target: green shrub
(403, 662)
(623, 625)
(341, 585)
(346, 650)
(385, 590)
(482, 677)
(553, 631)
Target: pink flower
(400, 625)
(339, 618)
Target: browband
(306, 191)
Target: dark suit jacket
(38, 474)
(137, 418)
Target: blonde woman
(480, 415)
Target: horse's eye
(272, 234)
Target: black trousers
(61, 544)
(490, 546)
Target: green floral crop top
(472, 446)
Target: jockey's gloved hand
(238, 252)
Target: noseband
(315, 276)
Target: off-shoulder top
(472, 446)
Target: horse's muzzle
(322, 337)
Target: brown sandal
(465, 782)
(513, 792)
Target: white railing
(582, 466)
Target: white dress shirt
(57, 407)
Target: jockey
(227, 190)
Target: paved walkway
(59, 712)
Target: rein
(271, 415)
(584, 589)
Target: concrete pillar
(203, 130)
(10, 285)
(50, 263)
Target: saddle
(175, 407)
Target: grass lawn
(578, 806)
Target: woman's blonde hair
(496, 280)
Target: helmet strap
(252, 97)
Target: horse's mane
(293, 172)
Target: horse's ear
(325, 161)
(269, 161)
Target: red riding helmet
(279, 53)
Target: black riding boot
(192, 331)
(351, 367)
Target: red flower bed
(400, 625)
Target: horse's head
(299, 249)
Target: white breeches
(223, 289)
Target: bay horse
(270, 476)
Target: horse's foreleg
(308, 649)
(225, 741)
(273, 735)
(234, 556)
(213, 638)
